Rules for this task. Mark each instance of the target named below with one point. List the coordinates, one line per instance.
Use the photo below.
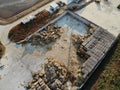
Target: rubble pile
(46, 36)
(77, 40)
(82, 53)
(2, 50)
(54, 76)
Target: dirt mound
(21, 31)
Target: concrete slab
(105, 15)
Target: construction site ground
(19, 61)
(31, 58)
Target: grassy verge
(110, 77)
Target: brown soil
(21, 31)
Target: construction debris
(21, 31)
(54, 76)
(2, 50)
(77, 40)
(91, 48)
(96, 46)
(46, 36)
(82, 53)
